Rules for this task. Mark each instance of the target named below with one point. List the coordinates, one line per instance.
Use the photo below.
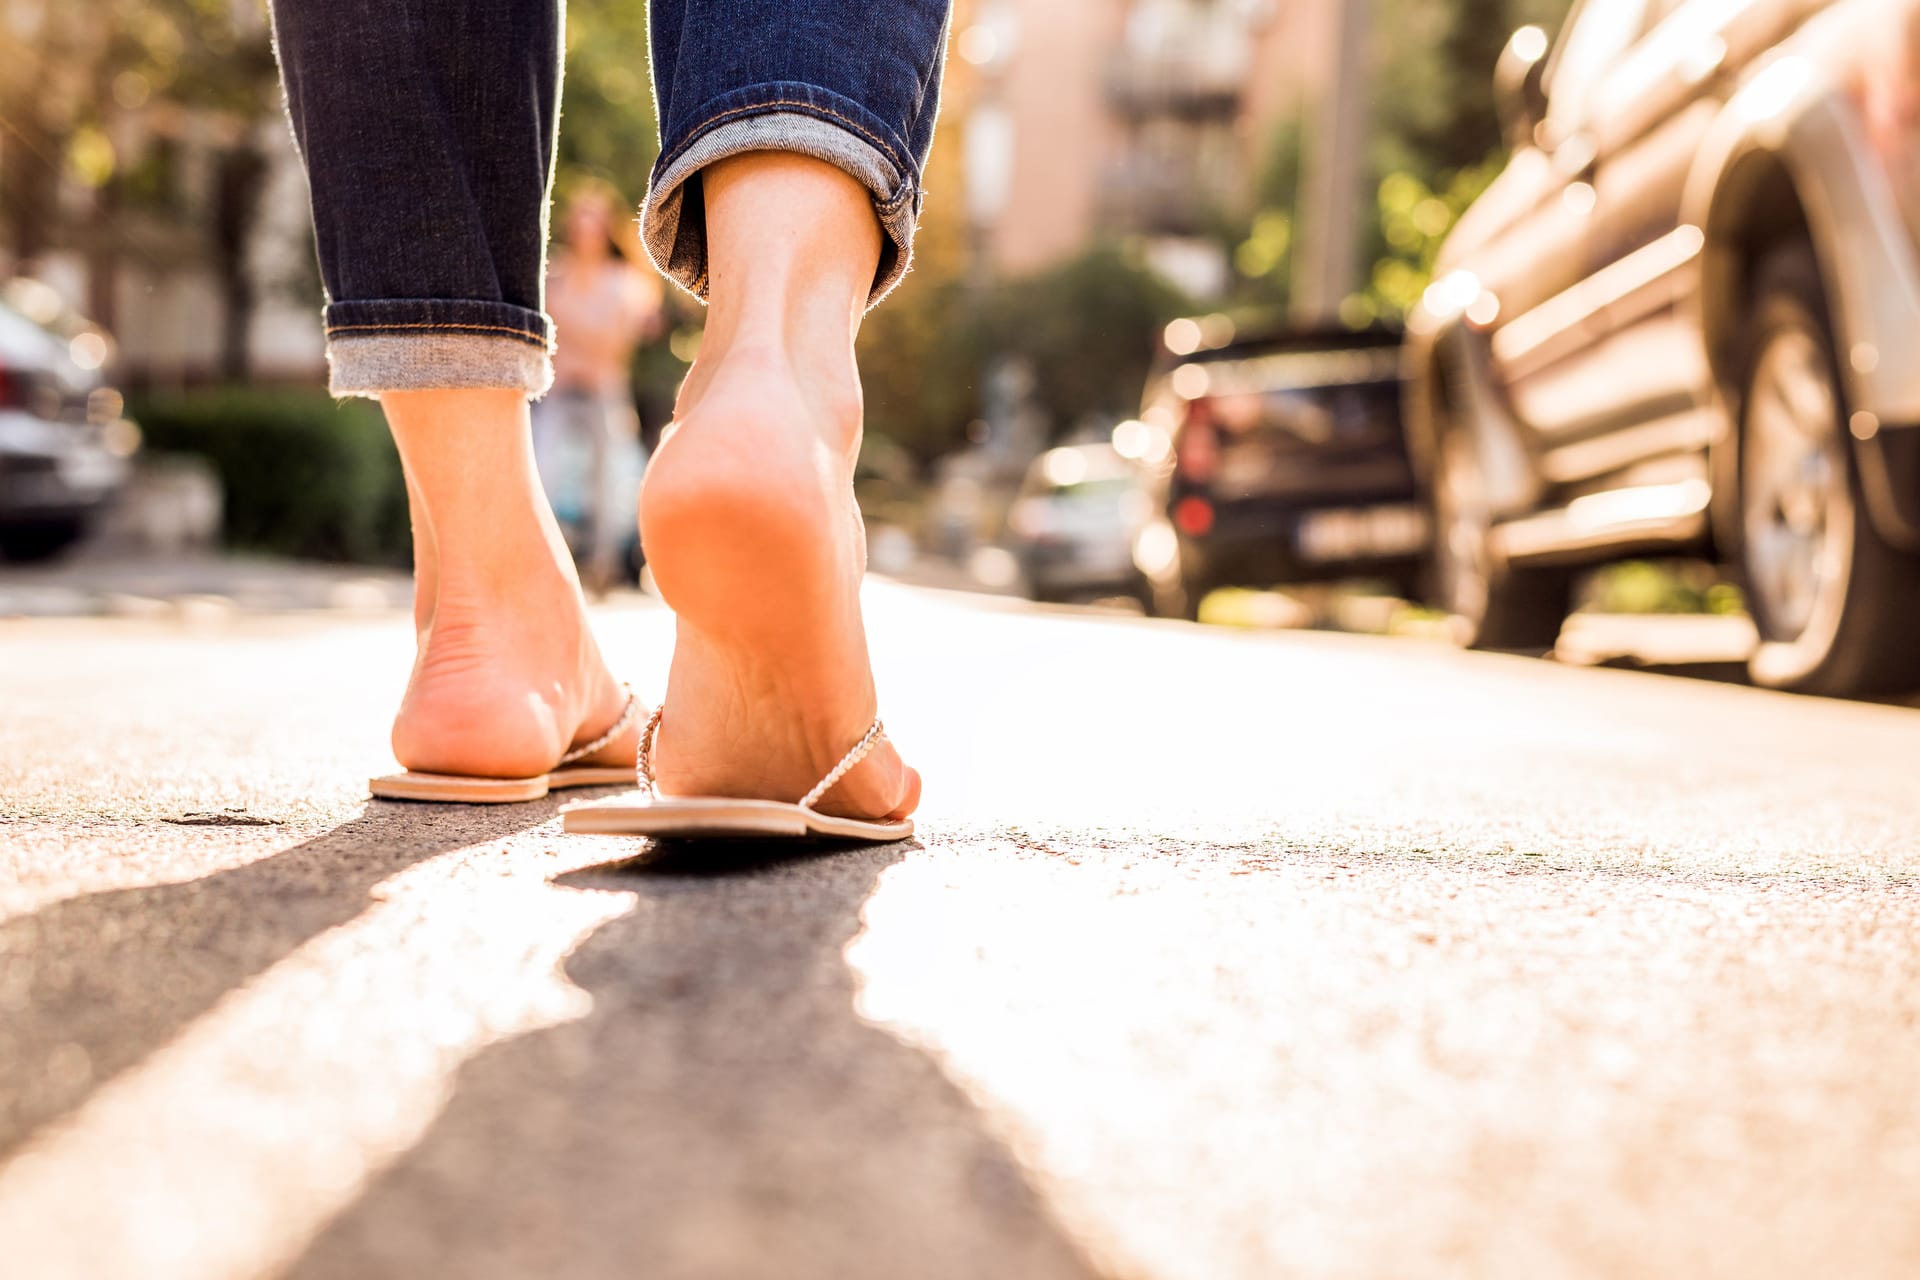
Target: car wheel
(1495, 605)
(1835, 605)
(41, 540)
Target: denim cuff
(780, 117)
(436, 344)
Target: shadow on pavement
(721, 1112)
(1734, 673)
(1714, 672)
(93, 984)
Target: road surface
(1219, 955)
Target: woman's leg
(427, 129)
(747, 510)
(508, 674)
(793, 137)
(616, 444)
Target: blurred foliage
(1435, 139)
(1434, 143)
(921, 352)
(70, 66)
(1261, 248)
(607, 126)
(661, 364)
(302, 475)
(1663, 587)
(1089, 327)
(1413, 220)
(1438, 58)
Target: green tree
(1434, 143)
(1436, 138)
(73, 71)
(1437, 57)
(607, 125)
(1090, 328)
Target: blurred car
(1680, 323)
(63, 440)
(1074, 522)
(1286, 464)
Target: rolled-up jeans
(428, 127)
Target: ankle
(793, 380)
(514, 570)
(789, 238)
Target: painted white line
(228, 1150)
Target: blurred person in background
(586, 432)
(793, 138)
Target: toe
(880, 789)
(910, 799)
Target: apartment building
(1137, 118)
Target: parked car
(1074, 522)
(1288, 464)
(1681, 322)
(63, 441)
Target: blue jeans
(428, 126)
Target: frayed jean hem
(673, 221)
(432, 344)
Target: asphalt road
(1219, 955)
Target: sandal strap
(647, 738)
(599, 743)
(871, 739)
(860, 749)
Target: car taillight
(13, 390)
(1193, 516)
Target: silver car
(1683, 321)
(63, 440)
(1075, 521)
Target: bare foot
(747, 510)
(751, 530)
(426, 558)
(508, 675)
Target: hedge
(302, 474)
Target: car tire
(1836, 606)
(1494, 604)
(41, 540)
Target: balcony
(1197, 83)
(1159, 195)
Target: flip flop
(453, 788)
(723, 818)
